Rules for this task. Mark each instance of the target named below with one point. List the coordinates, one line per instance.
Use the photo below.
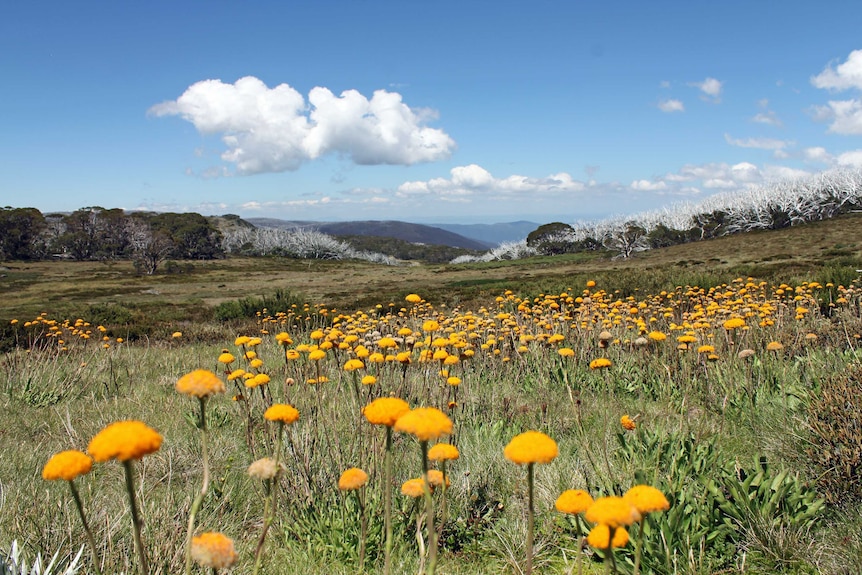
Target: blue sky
(421, 111)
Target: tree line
(95, 233)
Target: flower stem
(90, 540)
(530, 521)
(429, 511)
(363, 522)
(639, 547)
(196, 504)
(387, 501)
(136, 517)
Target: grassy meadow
(724, 373)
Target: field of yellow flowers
(694, 430)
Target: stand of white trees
(297, 242)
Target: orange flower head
(200, 383)
(425, 423)
(67, 465)
(226, 358)
(282, 412)
(353, 478)
(124, 440)
(531, 447)
(573, 501)
(612, 511)
(413, 487)
(600, 363)
(385, 410)
(646, 499)
(214, 550)
(628, 423)
(600, 536)
(436, 477)
(443, 451)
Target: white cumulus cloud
(842, 77)
(671, 106)
(845, 116)
(851, 159)
(648, 186)
(274, 129)
(473, 180)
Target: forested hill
(414, 233)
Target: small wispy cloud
(671, 106)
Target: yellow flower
(573, 501)
(317, 355)
(264, 468)
(353, 478)
(177, 334)
(430, 326)
(385, 410)
(214, 550)
(656, 336)
(774, 346)
(124, 440)
(435, 477)
(256, 380)
(291, 354)
(453, 380)
(531, 447)
(67, 465)
(425, 423)
(235, 374)
(566, 352)
(413, 298)
(591, 283)
(706, 349)
(353, 364)
(612, 511)
(241, 340)
(601, 533)
(226, 358)
(734, 323)
(600, 363)
(386, 343)
(628, 423)
(369, 380)
(646, 499)
(443, 451)
(282, 412)
(413, 487)
(200, 383)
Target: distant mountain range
(479, 237)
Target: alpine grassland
(695, 409)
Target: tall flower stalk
(68, 465)
(201, 384)
(531, 447)
(386, 411)
(426, 423)
(126, 441)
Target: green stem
(196, 504)
(387, 501)
(90, 540)
(639, 547)
(530, 521)
(136, 517)
(429, 511)
(363, 522)
(267, 519)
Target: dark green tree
(21, 234)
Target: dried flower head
(531, 447)
(573, 501)
(282, 412)
(214, 550)
(67, 465)
(263, 469)
(425, 423)
(124, 440)
(352, 479)
(200, 383)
